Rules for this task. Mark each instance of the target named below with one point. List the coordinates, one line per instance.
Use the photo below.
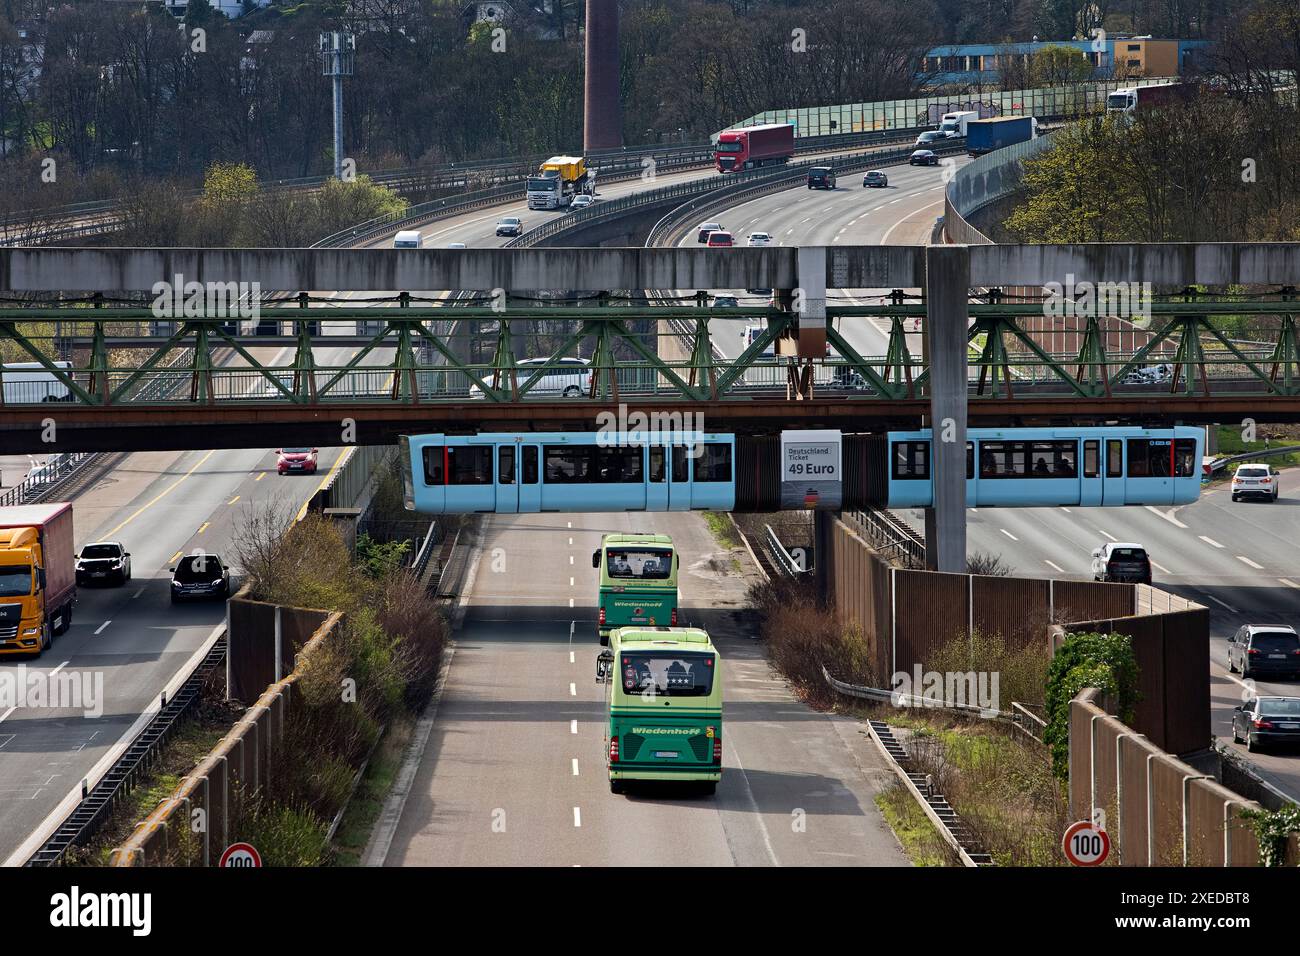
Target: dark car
(875, 178)
(510, 226)
(104, 562)
(1266, 721)
(200, 577)
(924, 157)
(1264, 649)
(1121, 561)
(821, 177)
(725, 302)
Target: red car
(296, 460)
(718, 239)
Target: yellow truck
(558, 181)
(38, 576)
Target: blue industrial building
(1115, 57)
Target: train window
(1091, 458)
(1161, 458)
(1114, 458)
(618, 465)
(714, 463)
(566, 464)
(530, 464)
(1054, 459)
(506, 465)
(469, 465)
(656, 464)
(1002, 459)
(911, 460)
(433, 459)
(680, 463)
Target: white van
(409, 239)
(570, 378)
(29, 382)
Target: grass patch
(359, 819)
(722, 528)
(1231, 443)
(921, 841)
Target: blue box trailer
(986, 135)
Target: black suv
(821, 177)
(1264, 649)
(200, 576)
(105, 562)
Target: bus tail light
(613, 749)
(601, 617)
(672, 621)
(717, 750)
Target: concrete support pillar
(947, 271)
(603, 110)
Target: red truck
(749, 147)
(1131, 99)
(38, 576)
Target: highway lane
(514, 774)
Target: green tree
(1057, 65)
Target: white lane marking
(1224, 603)
(1008, 534)
(571, 660)
(1109, 535)
(1209, 541)
(7, 713)
(568, 524)
(570, 602)
(570, 559)
(1289, 583)
(104, 625)
(577, 817)
(1065, 509)
(570, 582)
(137, 594)
(575, 766)
(1054, 566)
(1162, 570)
(570, 542)
(59, 668)
(573, 726)
(573, 689)
(1167, 515)
(1245, 560)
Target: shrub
(1021, 669)
(1104, 661)
(982, 562)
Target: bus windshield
(669, 673)
(644, 563)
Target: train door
(1150, 470)
(1090, 474)
(1112, 484)
(507, 479)
(656, 487)
(679, 478)
(530, 485)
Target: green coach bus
(665, 707)
(638, 582)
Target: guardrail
(783, 561)
(984, 181)
(1220, 463)
(891, 536)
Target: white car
(1255, 479)
(571, 378)
(758, 239)
(582, 201)
(455, 245)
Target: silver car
(570, 378)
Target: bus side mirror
(595, 559)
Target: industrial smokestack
(602, 109)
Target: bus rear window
(667, 673)
(650, 565)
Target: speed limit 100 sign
(1086, 844)
(240, 855)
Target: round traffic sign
(241, 855)
(1086, 844)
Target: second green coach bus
(665, 707)
(638, 582)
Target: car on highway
(874, 177)
(930, 136)
(582, 201)
(750, 336)
(923, 157)
(725, 302)
(765, 292)
(198, 577)
(758, 239)
(510, 226)
(1121, 561)
(455, 245)
(1258, 649)
(1149, 374)
(821, 177)
(408, 239)
(702, 233)
(1266, 721)
(1255, 479)
(720, 239)
(103, 562)
(297, 461)
(570, 378)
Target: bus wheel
(616, 786)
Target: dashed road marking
(104, 625)
(1245, 560)
(1008, 534)
(1054, 566)
(1209, 541)
(1223, 603)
